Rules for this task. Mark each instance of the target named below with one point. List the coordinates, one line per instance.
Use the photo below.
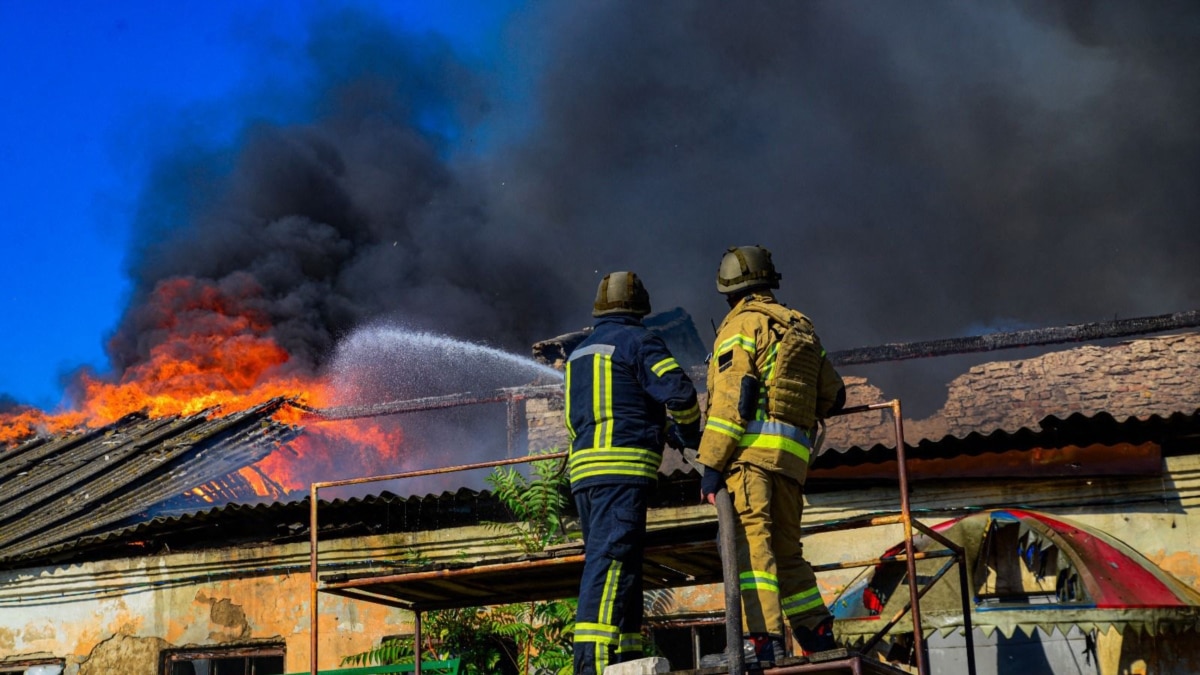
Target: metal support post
(906, 515)
(312, 580)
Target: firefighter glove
(710, 482)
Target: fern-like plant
(537, 503)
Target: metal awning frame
(359, 589)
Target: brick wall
(544, 424)
(1151, 376)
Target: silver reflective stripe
(606, 350)
(779, 429)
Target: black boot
(816, 640)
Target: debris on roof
(60, 489)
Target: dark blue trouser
(608, 622)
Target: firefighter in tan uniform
(769, 383)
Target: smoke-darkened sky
(920, 171)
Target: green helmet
(621, 293)
(746, 267)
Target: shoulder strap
(779, 313)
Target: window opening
(33, 667)
(264, 660)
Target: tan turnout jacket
(769, 382)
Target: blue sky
(87, 86)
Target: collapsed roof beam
(1083, 332)
(434, 402)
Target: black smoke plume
(356, 214)
(920, 171)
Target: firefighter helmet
(746, 267)
(621, 293)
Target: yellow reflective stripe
(636, 462)
(608, 597)
(802, 602)
(686, 416)
(768, 368)
(567, 403)
(757, 580)
(739, 340)
(597, 405)
(722, 426)
(663, 366)
(609, 419)
(602, 410)
(630, 642)
(600, 633)
(592, 472)
(608, 631)
(773, 442)
(637, 456)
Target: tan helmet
(745, 267)
(621, 293)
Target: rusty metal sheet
(679, 557)
(1076, 429)
(1119, 459)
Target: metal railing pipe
(726, 524)
(313, 527)
(906, 512)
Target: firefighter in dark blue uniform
(621, 385)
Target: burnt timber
(1099, 330)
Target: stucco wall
(118, 616)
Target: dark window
(683, 644)
(264, 660)
(1019, 566)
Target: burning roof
(81, 483)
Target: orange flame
(212, 351)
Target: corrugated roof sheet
(277, 522)
(59, 490)
(1052, 431)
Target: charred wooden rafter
(1098, 330)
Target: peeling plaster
(229, 618)
(123, 654)
(45, 631)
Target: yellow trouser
(776, 580)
